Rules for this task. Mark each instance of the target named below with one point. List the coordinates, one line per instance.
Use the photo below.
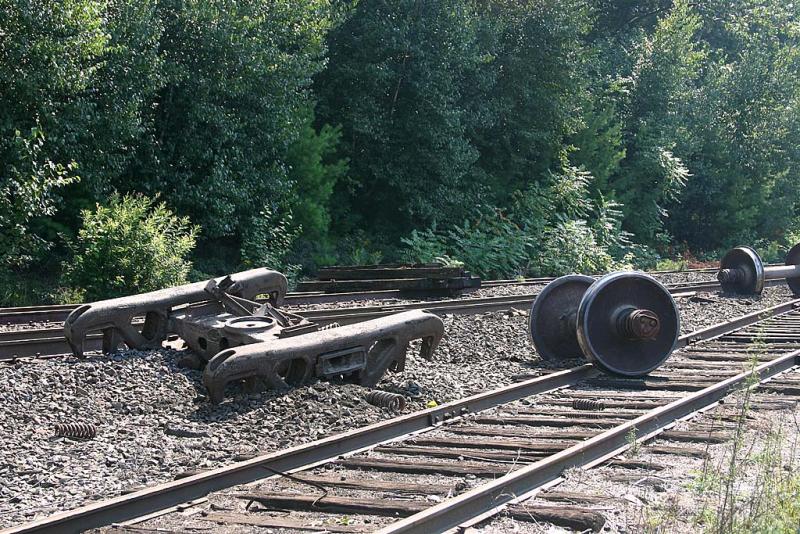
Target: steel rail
(174, 493)
(458, 306)
(50, 341)
(720, 329)
(545, 279)
(482, 499)
(59, 312)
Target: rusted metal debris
(363, 350)
(114, 317)
(236, 338)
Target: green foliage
(424, 246)
(131, 245)
(197, 102)
(314, 176)
(550, 230)
(491, 246)
(27, 188)
(598, 146)
(539, 56)
(469, 129)
(84, 71)
(21, 289)
(577, 234)
(268, 240)
(668, 264)
(663, 69)
(361, 255)
(394, 83)
(49, 51)
(233, 100)
(746, 128)
(572, 247)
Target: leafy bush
(491, 245)
(572, 247)
(552, 229)
(362, 255)
(130, 246)
(424, 246)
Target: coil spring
(329, 326)
(587, 404)
(384, 399)
(75, 430)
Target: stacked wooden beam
(426, 279)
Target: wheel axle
(742, 271)
(638, 324)
(626, 323)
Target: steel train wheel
(626, 295)
(552, 319)
(793, 258)
(749, 268)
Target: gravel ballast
(154, 423)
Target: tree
(746, 123)
(662, 87)
(83, 71)
(314, 172)
(539, 61)
(49, 56)
(394, 82)
(237, 84)
(27, 186)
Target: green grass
(668, 264)
(755, 487)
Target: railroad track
(50, 342)
(58, 312)
(465, 461)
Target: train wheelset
(742, 271)
(626, 323)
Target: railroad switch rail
(510, 448)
